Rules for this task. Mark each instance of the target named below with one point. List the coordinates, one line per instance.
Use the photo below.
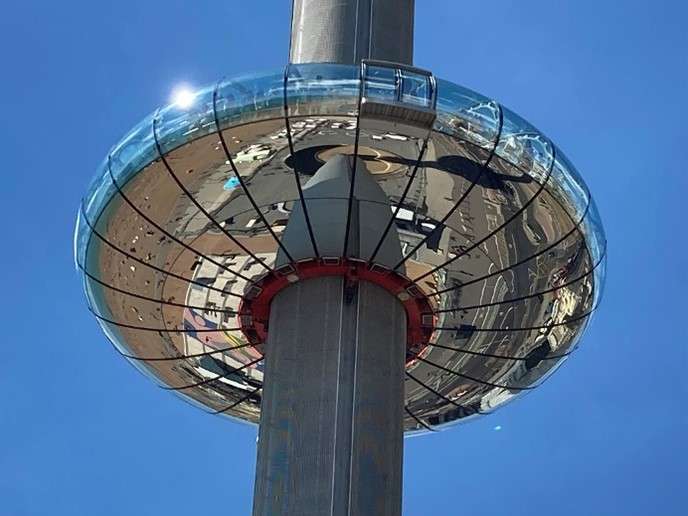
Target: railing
(398, 93)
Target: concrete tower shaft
(331, 423)
(347, 31)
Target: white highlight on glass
(183, 97)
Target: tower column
(331, 431)
(347, 31)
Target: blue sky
(81, 432)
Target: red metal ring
(254, 310)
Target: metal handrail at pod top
(502, 242)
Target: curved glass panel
(416, 89)
(381, 83)
(134, 151)
(178, 123)
(569, 185)
(82, 234)
(469, 115)
(99, 192)
(322, 89)
(594, 231)
(514, 124)
(530, 153)
(251, 97)
(524, 147)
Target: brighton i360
(341, 251)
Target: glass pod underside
(497, 229)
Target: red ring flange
(254, 310)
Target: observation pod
(501, 239)
(479, 244)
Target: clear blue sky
(81, 432)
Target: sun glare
(183, 97)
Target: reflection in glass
(512, 266)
